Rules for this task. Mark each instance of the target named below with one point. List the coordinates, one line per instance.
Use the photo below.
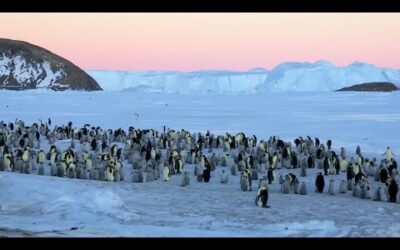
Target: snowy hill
(26, 66)
(290, 76)
(324, 76)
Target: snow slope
(324, 76)
(28, 74)
(291, 76)
(33, 205)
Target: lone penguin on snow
(262, 197)
(319, 183)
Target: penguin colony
(152, 155)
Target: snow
(26, 72)
(33, 205)
(324, 76)
(289, 76)
(51, 77)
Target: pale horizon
(209, 41)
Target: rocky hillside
(371, 86)
(27, 66)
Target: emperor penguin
(94, 174)
(27, 167)
(254, 174)
(356, 191)
(303, 171)
(365, 191)
(343, 164)
(285, 187)
(303, 188)
(262, 197)
(234, 169)
(53, 170)
(343, 187)
(184, 179)
(61, 169)
(71, 170)
(349, 185)
(319, 183)
(392, 191)
(41, 170)
(244, 183)
(271, 175)
(109, 174)
(224, 177)
(166, 173)
(149, 177)
(376, 195)
(331, 187)
(388, 154)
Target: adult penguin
(384, 174)
(317, 143)
(310, 161)
(392, 190)
(294, 161)
(319, 182)
(326, 165)
(329, 144)
(262, 197)
(358, 150)
(350, 173)
(270, 175)
(206, 172)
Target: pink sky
(197, 41)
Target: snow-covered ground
(32, 205)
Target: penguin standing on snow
(319, 182)
(244, 183)
(207, 172)
(365, 190)
(388, 154)
(384, 175)
(166, 173)
(303, 188)
(285, 187)
(343, 187)
(270, 175)
(185, 180)
(331, 188)
(224, 177)
(262, 197)
(376, 195)
(392, 191)
(303, 171)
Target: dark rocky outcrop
(371, 86)
(27, 66)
